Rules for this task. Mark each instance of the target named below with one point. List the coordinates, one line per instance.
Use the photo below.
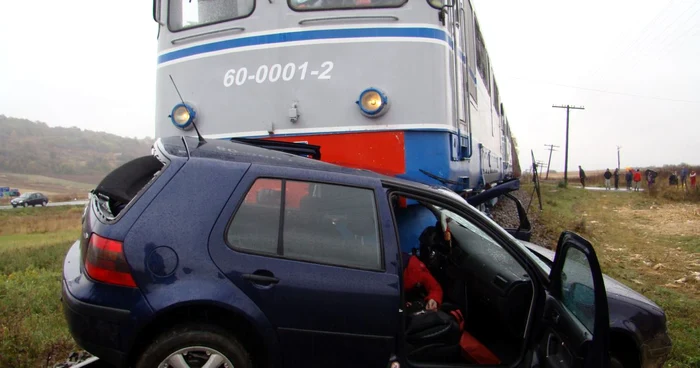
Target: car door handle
(264, 278)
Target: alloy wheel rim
(196, 357)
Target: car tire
(43, 204)
(623, 359)
(14, 206)
(195, 344)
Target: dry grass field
(648, 240)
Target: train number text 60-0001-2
(277, 72)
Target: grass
(649, 242)
(33, 243)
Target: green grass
(33, 332)
(647, 242)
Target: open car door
(575, 319)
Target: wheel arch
(624, 345)
(236, 322)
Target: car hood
(612, 286)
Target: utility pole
(551, 149)
(618, 157)
(540, 165)
(566, 154)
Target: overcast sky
(633, 64)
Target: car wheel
(195, 346)
(14, 206)
(43, 204)
(623, 359)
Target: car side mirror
(576, 280)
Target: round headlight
(437, 4)
(182, 116)
(373, 102)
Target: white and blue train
(403, 88)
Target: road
(54, 204)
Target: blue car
(228, 254)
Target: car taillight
(105, 262)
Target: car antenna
(199, 136)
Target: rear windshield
(343, 4)
(183, 14)
(123, 184)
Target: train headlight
(440, 4)
(373, 102)
(182, 116)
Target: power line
(603, 91)
(641, 34)
(648, 49)
(668, 47)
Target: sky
(633, 65)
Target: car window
(324, 223)
(479, 235)
(332, 224)
(577, 287)
(255, 226)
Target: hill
(28, 147)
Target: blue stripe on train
(408, 32)
(431, 151)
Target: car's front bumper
(655, 352)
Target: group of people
(634, 178)
(684, 177)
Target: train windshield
(183, 14)
(343, 4)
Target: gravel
(505, 214)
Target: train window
(311, 5)
(482, 58)
(496, 97)
(184, 14)
(471, 49)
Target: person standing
(617, 178)
(684, 178)
(628, 178)
(607, 177)
(637, 177)
(693, 180)
(582, 176)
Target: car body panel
(317, 321)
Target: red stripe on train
(382, 152)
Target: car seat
(433, 336)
